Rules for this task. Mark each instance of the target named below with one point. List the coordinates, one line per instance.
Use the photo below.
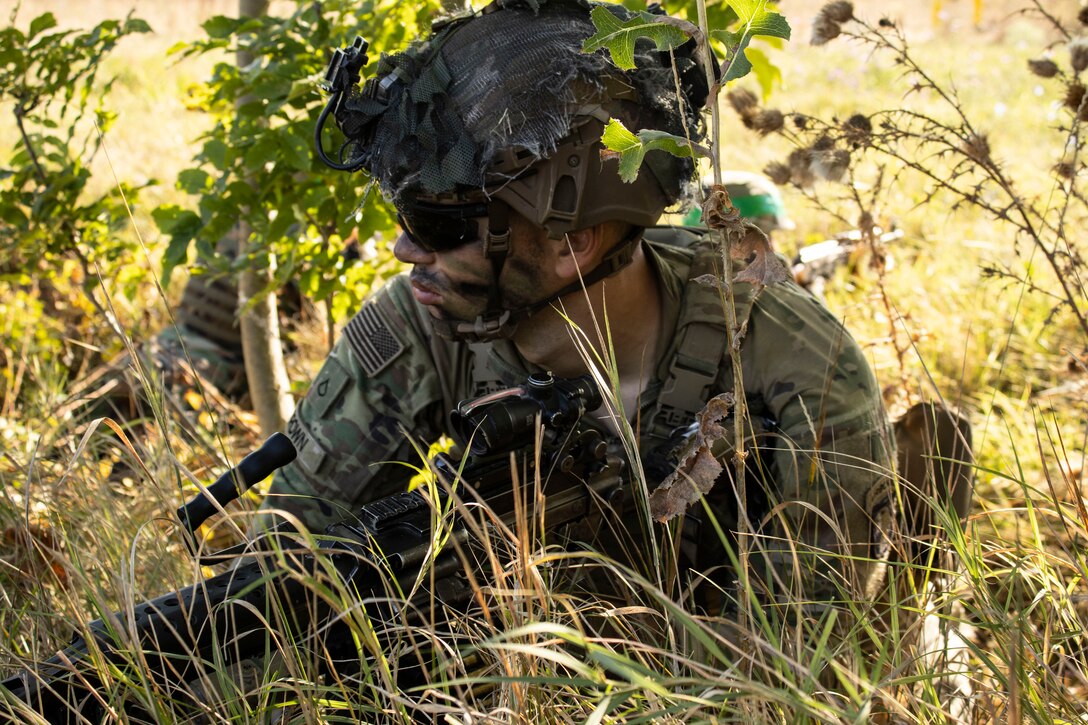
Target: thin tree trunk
(269, 386)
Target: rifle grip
(274, 453)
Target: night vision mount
(341, 78)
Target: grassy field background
(989, 347)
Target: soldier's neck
(616, 319)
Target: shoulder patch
(327, 387)
(372, 340)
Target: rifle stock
(230, 617)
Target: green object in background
(758, 205)
(756, 198)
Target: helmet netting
(512, 78)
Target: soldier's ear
(580, 251)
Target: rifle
(816, 263)
(535, 428)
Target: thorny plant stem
(877, 252)
(897, 43)
(1053, 20)
(740, 407)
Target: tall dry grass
(85, 515)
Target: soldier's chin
(444, 325)
(475, 330)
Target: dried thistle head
(800, 121)
(768, 121)
(777, 172)
(839, 11)
(824, 30)
(823, 143)
(1074, 96)
(1078, 54)
(830, 164)
(743, 101)
(1065, 169)
(800, 167)
(1082, 16)
(857, 129)
(1043, 67)
(977, 147)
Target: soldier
(485, 138)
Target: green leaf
(301, 89)
(619, 37)
(136, 25)
(194, 181)
(662, 141)
(220, 26)
(40, 24)
(766, 72)
(617, 138)
(279, 225)
(296, 150)
(263, 150)
(171, 218)
(632, 149)
(756, 21)
(216, 151)
(181, 225)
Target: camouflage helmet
(503, 104)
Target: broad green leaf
(619, 37)
(301, 89)
(182, 226)
(280, 222)
(261, 152)
(617, 138)
(632, 149)
(40, 24)
(136, 25)
(220, 26)
(216, 151)
(767, 73)
(755, 21)
(670, 143)
(170, 218)
(194, 181)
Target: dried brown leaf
(698, 469)
(763, 265)
(712, 280)
(719, 212)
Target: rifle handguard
(276, 452)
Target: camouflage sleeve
(834, 460)
(352, 428)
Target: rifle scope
(503, 421)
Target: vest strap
(694, 367)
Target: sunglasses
(442, 227)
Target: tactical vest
(701, 334)
(694, 369)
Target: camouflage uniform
(390, 379)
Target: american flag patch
(371, 340)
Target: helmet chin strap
(498, 322)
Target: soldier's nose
(407, 251)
